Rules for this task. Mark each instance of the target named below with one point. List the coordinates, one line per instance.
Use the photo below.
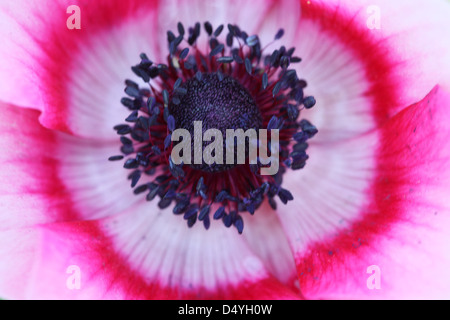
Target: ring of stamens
(251, 90)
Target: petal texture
(265, 237)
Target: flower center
(234, 86)
(219, 103)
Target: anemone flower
(357, 91)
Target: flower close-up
(342, 105)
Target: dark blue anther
(127, 149)
(191, 222)
(140, 189)
(308, 128)
(197, 29)
(132, 91)
(293, 112)
(298, 164)
(132, 117)
(152, 194)
(218, 31)
(184, 53)
(204, 212)
(180, 29)
(143, 122)
(164, 203)
(309, 102)
(191, 211)
(219, 213)
(251, 208)
(181, 91)
(208, 28)
(237, 31)
(200, 184)
(219, 48)
(298, 95)
(221, 196)
(134, 177)
(137, 70)
(227, 220)
(299, 155)
(272, 203)
(115, 158)
(151, 102)
(252, 41)
(171, 123)
(167, 141)
(284, 62)
(285, 196)
(229, 39)
(273, 123)
(274, 58)
(236, 56)
(276, 88)
(131, 164)
(170, 194)
(156, 150)
(279, 34)
(300, 137)
(166, 97)
(231, 28)
(127, 102)
(130, 83)
(239, 224)
(265, 81)
(203, 194)
(288, 163)
(207, 222)
(143, 56)
(225, 59)
(213, 43)
(248, 66)
(170, 36)
(177, 83)
(181, 207)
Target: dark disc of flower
(219, 104)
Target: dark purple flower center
(234, 85)
(219, 103)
